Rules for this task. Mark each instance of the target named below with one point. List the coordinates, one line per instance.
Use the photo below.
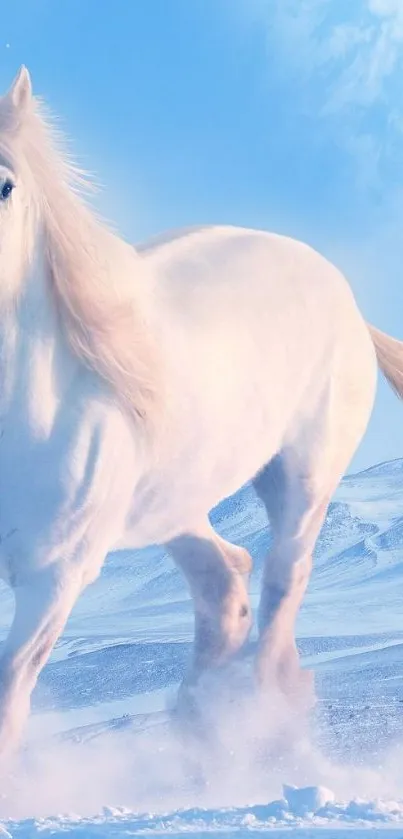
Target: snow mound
(301, 808)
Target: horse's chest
(200, 472)
(31, 489)
(54, 490)
(30, 497)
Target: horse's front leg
(43, 602)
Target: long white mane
(93, 272)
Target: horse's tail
(389, 354)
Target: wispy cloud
(345, 61)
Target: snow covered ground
(103, 757)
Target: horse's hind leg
(296, 507)
(296, 488)
(214, 571)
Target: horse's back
(249, 298)
(207, 247)
(253, 328)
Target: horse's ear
(20, 93)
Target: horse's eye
(6, 190)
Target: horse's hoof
(307, 689)
(294, 684)
(186, 711)
(299, 690)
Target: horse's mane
(93, 272)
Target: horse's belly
(225, 433)
(199, 474)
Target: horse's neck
(35, 361)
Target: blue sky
(280, 114)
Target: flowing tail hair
(389, 354)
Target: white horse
(141, 386)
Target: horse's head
(17, 114)
(48, 233)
